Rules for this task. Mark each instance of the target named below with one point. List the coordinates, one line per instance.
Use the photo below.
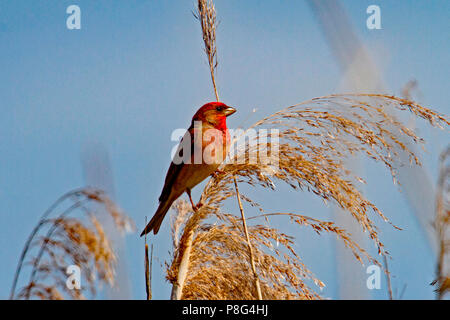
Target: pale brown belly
(193, 174)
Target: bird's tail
(158, 217)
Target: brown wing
(174, 169)
(171, 176)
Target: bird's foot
(197, 206)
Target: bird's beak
(229, 111)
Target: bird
(199, 154)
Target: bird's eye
(219, 108)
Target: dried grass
(213, 252)
(314, 138)
(206, 14)
(69, 239)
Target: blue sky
(136, 71)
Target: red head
(215, 114)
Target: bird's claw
(197, 206)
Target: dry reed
(212, 255)
(148, 268)
(206, 14)
(314, 138)
(69, 239)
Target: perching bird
(206, 150)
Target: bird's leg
(194, 207)
(217, 172)
(188, 191)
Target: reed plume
(206, 14)
(313, 139)
(207, 17)
(72, 237)
(214, 250)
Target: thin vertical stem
(148, 267)
(250, 249)
(148, 289)
(214, 84)
(388, 278)
(206, 14)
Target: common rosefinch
(202, 150)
